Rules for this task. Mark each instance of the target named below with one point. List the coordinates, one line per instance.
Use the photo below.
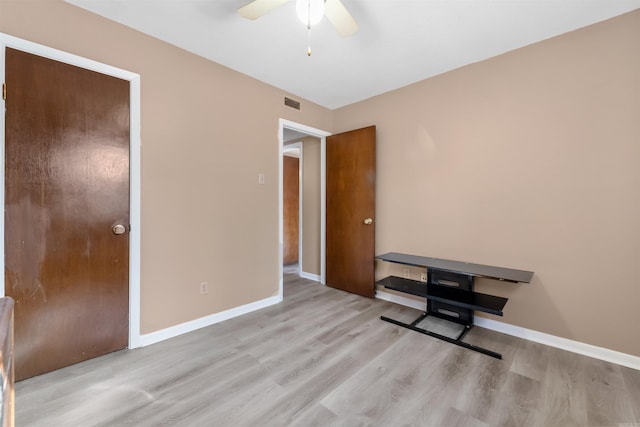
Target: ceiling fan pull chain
(309, 27)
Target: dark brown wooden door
(66, 187)
(351, 179)
(291, 208)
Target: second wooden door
(351, 177)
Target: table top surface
(477, 270)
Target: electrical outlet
(405, 273)
(423, 277)
(204, 288)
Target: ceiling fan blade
(257, 8)
(340, 17)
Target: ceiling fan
(309, 12)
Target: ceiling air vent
(291, 103)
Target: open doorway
(293, 212)
(307, 146)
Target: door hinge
(4, 91)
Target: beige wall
(207, 132)
(528, 160)
(311, 205)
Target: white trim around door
(322, 135)
(134, 162)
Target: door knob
(119, 229)
(368, 221)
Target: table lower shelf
(465, 299)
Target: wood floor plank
(632, 385)
(317, 416)
(454, 418)
(394, 376)
(565, 402)
(531, 360)
(323, 357)
(480, 393)
(607, 397)
(431, 405)
(517, 403)
(318, 379)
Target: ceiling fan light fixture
(310, 12)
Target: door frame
(134, 162)
(299, 147)
(322, 135)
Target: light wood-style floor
(324, 358)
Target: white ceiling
(399, 41)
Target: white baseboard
(531, 335)
(561, 343)
(314, 277)
(183, 328)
